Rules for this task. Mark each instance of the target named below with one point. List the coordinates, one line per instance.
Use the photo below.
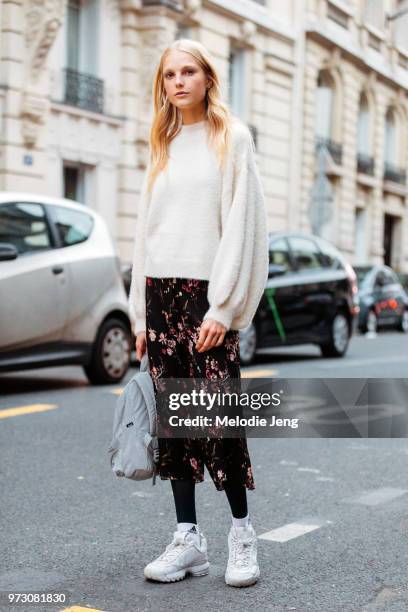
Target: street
(331, 515)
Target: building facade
(323, 85)
(356, 106)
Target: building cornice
(318, 33)
(252, 11)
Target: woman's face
(181, 72)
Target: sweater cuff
(222, 315)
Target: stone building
(356, 105)
(75, 81)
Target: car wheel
(110, 353)
(339, 337)
(247, 344)
(371, 324)
(403, 323)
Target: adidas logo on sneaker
(193, 529)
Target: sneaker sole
(243, 583)
(194, 570)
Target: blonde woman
(199, 270)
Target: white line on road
(377, 496)
(293, 530)
(306, 469)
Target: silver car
(62, 298)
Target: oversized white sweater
(197, 223)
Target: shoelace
(241, 550)
(173, 549)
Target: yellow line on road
(80, 609)
(18, 410)
(258, 373)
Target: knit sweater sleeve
(240, 268)
(137, 293)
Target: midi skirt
(175, 308)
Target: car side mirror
(7, 251)
(276, 270)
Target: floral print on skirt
(175, 308)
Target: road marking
(293, 530)
(306, 469)
(378, 496)
(258, 373)
(285, 462)
(18, 410)
(324, 479)
(80, 609)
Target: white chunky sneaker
(242, 569)
(186, 554)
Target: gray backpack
(134, 450)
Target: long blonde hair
(167, 119)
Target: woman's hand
(212, 334)
(140, 345)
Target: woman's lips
(182, 94)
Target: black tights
(184, 499)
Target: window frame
(48, 221)
(53, 216)
(273, 239)
(318, 250)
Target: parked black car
(310, 297)
(383, 300)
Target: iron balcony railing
(365, 164)
(84, 90)
(335, 149)
(174, 4)
(394, 174)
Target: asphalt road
(331, 515)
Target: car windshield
(363, 277)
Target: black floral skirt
(175, 308)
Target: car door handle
(57, 269)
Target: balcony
(365, 164)
(84, 91)
(394, 174)
(335, 149)
(173, 4)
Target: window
(79, 182)
(74, 183)
(401, 24)
(390, 138)
(82, 86)
(237, 90)
(374, 13)
(360, 235)
(82, 36)
(330, 256)
(73, 226)
(305, 253)
(25, 226)
(324, 106)
(278, 253)
(73, 15)
(363, 133)
(390, 277)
